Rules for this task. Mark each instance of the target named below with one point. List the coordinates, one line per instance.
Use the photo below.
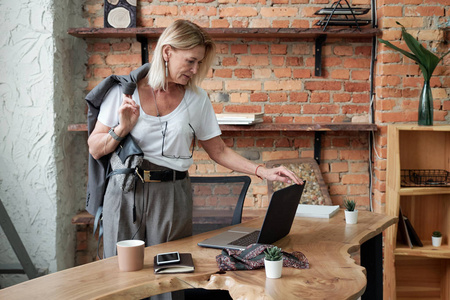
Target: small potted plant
(436, 238)
(351, 214)
(273, 262)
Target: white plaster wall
(42, 171)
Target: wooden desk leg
(372, 260)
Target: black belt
(160, 175)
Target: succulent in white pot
(436, 238)
(273, 262)
(351, 213)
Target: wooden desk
(325, 242)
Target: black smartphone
(168, 258)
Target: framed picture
(120, 13)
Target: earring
(167, 70)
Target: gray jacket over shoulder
(98, 167)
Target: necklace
(157, 112)
(156, 106)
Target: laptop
(277, 223)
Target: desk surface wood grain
(325, 242)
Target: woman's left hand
(280, 173)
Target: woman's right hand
(128, 114)
(100, 141)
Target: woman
(167, 111)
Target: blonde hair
(183, 35)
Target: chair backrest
(218, 201)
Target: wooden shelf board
(302, 127)
(411, 191)
(426, 251)
(83, 218)
(279, 127)
(88, 32)
(77, 127)
(412, 127)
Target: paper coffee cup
(130, 255)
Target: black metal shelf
(338, 15)
(342, 11)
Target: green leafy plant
(350, 205)
(427, 60)
(437, 234)
(273, 254)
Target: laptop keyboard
(247, 239)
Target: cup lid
(130, 243)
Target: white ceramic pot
(273, 268)
(351, 217)
(436, 241)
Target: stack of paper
(239, 118)
(316, 211)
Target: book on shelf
(239, 118)
(415, 240)
(186, 265)
(402, 234)
(316, 211)
(406, 232)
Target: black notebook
(406, 232)
(415, 240)
(403, 235)
(186, 265)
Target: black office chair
(218, 202)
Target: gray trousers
(163, 213)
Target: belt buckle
(147, 176)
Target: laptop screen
(277, 222)
(280, 214)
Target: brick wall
(276, 76)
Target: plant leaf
(413, 44)
(442, 57)
(426, 59)
(406, 53)
(417, 49)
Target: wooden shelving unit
(418, 272)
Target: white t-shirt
(195, 109)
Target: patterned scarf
(252, 258)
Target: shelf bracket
(317, 145)
(318, 54)
(144, 47)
